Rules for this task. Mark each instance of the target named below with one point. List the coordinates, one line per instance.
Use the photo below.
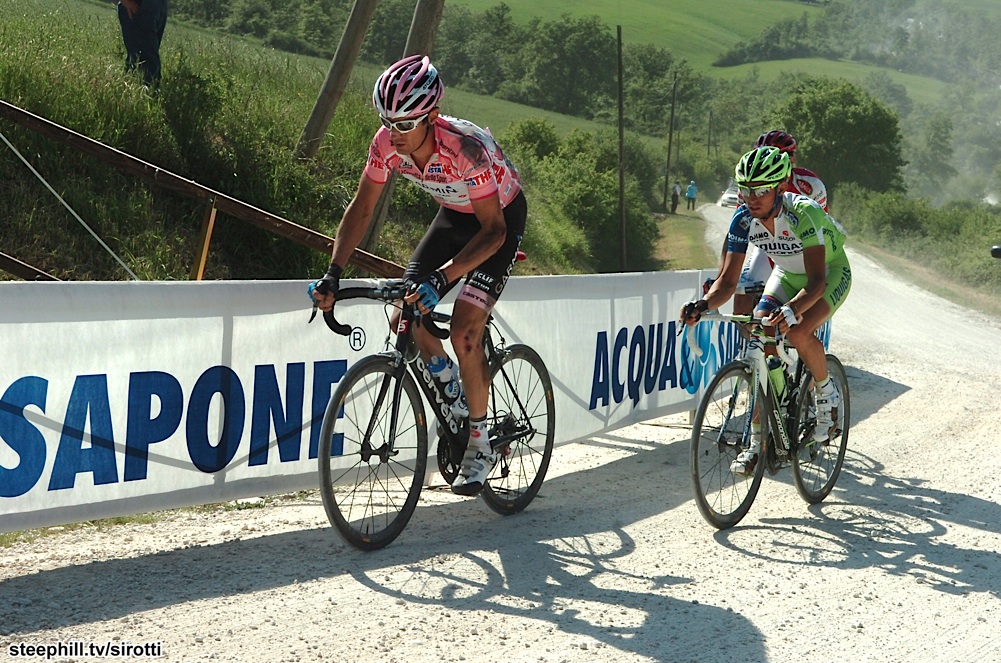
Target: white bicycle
(745, 390)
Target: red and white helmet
(777, 138)
(407, 88)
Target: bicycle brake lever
(438, 332)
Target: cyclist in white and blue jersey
(810, 280)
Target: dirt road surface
(613, 561)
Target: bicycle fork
(386, 450)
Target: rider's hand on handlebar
(323, 291)
(693, 310)
(783, 318)
(426, 291)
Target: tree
(930, 166)
(570, 65)
(387, 36)
(844, 134)
(893, 94)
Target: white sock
(826, 386)
(478, 436)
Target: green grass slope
(696, 30)
(699, 31)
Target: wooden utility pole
(670, 139)
(622, 162)
(337, 78)
(420, 40)
(709, 136)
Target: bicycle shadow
(580, 560)
(870, 392)
(892, 523)
(531, 565)
(874, 519)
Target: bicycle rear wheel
(522, 420)
(371, 472)
(817, 465)
(721, 431)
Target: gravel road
(613, 561)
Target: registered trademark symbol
(357, 338)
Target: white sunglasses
(403, 126)
(755, 192)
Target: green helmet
(763, 164)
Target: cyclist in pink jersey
(475, 234)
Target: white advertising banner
(121, 398)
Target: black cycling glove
(693, 310)
(330, 283)
(430, 288)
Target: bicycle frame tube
(763, 379)
(440, 406)
(732, 404)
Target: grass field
(699, 31)
(682, 243)
(696, 30)
(921, 89)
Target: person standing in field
(143, 23)
(691, 193)
(675, 196)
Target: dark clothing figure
(143, 22)
(675, 197)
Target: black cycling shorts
(449, 233)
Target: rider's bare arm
(354, 223)
(726, 284)
(356, 219)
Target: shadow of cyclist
(557, 563)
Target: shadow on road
(564, 549)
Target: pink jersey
(467, 165)
(807, 183)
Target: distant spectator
(143, 22)
(675, 196)
(691, 193)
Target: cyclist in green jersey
(810, 280)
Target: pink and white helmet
(407, 88)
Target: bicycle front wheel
(373, 453)
(522, 420)
(720, 432)
(817, 465)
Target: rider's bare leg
(803, 337)
(466, 334)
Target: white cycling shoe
(473, 471)
(827, 413)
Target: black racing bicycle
(374, 438)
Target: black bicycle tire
(803, 486)
(372, 539)
(736, 369)
(496, 493)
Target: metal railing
(214, 202)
